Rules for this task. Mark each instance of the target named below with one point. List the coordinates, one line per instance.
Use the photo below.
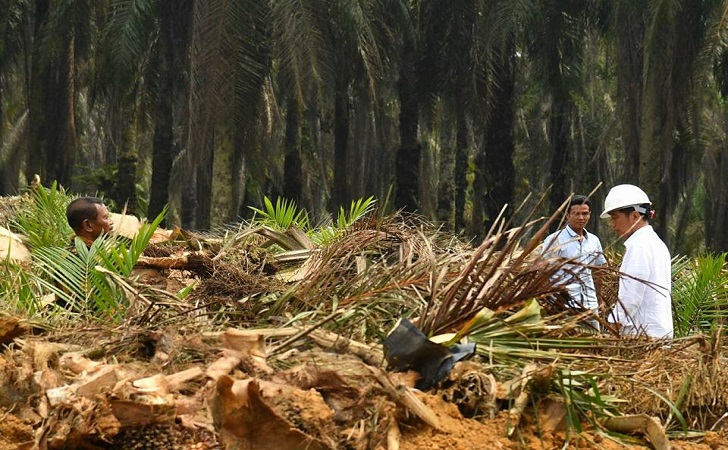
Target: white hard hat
(624, 196)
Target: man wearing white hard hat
(645, 305)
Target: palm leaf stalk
(523, 336)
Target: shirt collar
(574, 234)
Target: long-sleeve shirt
(566, 243)
(645, 307)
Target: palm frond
(502, 273)
(44, 222)
(124, 44)
(73, 278)
(78, 276)
(327, 234)
(358, 209)
(18, 291)
(282, 216)
(230, 60)
(121, 258)
(297, 32)
(700, 294)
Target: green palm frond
(700, 294)
(18, 291)
(121, 259)
(44, 223)
(583, 399)
(73, 278)
(358, 209)
(301, 48)
(525, 335)
(282, 216)
(129, 25)
(327, 234)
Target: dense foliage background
(453, 108)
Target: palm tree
(60, 40)
(555, 38)
(436, 67)
(659, 47)
(407, 162)
(446, 68)
(234, 46)
(122, 81)
(171, 53)
(498, 34)
(494, 182)
(12, 24)
(362, 36)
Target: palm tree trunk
(407, 165)
(52, 143)
(629, 39)
(494, 179)
(221, 196)
(38, 79)
(163, 142)
(5, 177)
(174, 21)
(292, 166)
(716, 212)
(127, 162)
(461, 163)
(560, 144)
(340, 195)
(61, 131)
(656, 134)
(446, 184)
(204, 192)
(188, 208)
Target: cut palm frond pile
(276, 314)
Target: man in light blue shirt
(575, 243)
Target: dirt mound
(234, 395)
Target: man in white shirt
(576, 244)
(645, 305)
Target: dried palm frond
(502, 273)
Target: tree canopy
(455, 109)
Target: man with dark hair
(645, 304)
(575, 243)
(89, 217)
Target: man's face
(102, 222)
(578, 217)
(623, 223)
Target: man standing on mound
(645, 305)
